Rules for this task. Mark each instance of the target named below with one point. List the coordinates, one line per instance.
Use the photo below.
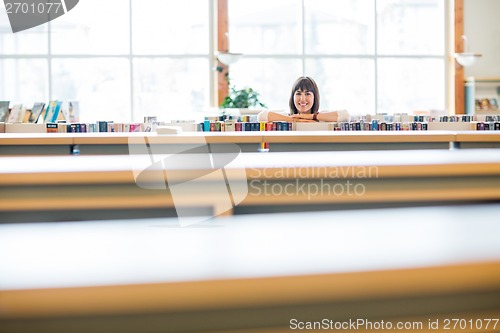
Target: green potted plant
(241, 98)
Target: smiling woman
(304, 105)
(304, 98)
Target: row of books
(462, 122)
(240, 118)
(229, 125)
(39, 112)
(100, 126)
(453, 119)
(374, 125)
(418, 126)
(465, 118)
(403, 118)
(488, 126)
(274, 126)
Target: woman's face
(304, 100)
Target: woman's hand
(327, 116)
(303, 116)
(301, 120)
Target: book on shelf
(73, 112)
(230, 126)
(52, 112)
(493, 104)
(17, 114)
(52, 127)
(26, 116)
(485, 105)
(47, 118)
(57, 112)
(36, 111)
(135, 127)
(4, 111)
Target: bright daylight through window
(127, 60)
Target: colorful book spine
(52, 127)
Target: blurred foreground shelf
(254, 273)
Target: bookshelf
(47, 188)
(421, 272)
(477, 139)
(353, 141)
(117, 143)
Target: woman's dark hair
(305, 83)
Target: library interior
(347, 175)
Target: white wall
(482, 28)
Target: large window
(123, 59)
(367, 56)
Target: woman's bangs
(304, 85)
